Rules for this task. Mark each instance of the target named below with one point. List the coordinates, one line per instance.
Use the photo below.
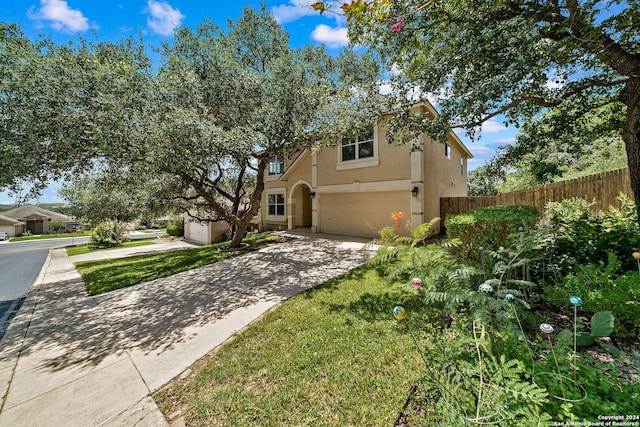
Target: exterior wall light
(414, 191)
(312, 194)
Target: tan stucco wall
(360, 214)
(443, 177)
(393, 164)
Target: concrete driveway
(74, 360)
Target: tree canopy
(510, 58)
(200, 127)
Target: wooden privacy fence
(602, 188)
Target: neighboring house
(11, 226)
(353, 189)
(37, 219)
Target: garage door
(198, 233)
(360, 214)
(9, 229)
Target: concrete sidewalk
(73, 360)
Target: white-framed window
(276, 204)
(447, 150)
(358, 148)
(358, 152)
(276, 166)
(462, 166)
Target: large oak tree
(204, 123)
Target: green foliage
(480, 182)
(490, 227)
(520, 59)
(581, 239)
(175, 230)
(547, 150)
(465, 382)
(567, 211)
(601, 326)
(106, 235)
(198, 129)
(601, 289)
(108, 195)
(597, 387)
(55, 226)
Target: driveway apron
(75, 360)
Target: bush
(175, 230)
(567, 211)
(490, 227)
(601, 289)
(581, 239)
(106, 235)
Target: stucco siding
(360, 214)
(393, 164)
(443, 177)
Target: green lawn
(50, 236)
(332, 356)
(110, 274)
(84, 248)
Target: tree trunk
(238, 235)
(630, 96)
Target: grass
(331, 356)
(50, 236)
(111, 274)
(84, 248)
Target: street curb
(18, 329)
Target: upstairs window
(358, 148)
(447, 150)
(276, 166)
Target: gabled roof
(6, 219)
(27, 211)
(299, 158)
(451, 136)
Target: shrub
(601, 289)
(175, 230)
(106, 235)
(567, 211)
(490, 227)
(578, 240)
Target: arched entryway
(300, 206)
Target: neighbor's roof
(30, 210)
(11, 221)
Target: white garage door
(9, 229)
(198, 233)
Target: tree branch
(542, 102)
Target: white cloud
(481, 151)
(163, 18)
(504, 141)
(491, 126)
(332, 37)
(59, 16)
(294, 10)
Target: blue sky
(112, 20)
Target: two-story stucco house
(353, 189)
